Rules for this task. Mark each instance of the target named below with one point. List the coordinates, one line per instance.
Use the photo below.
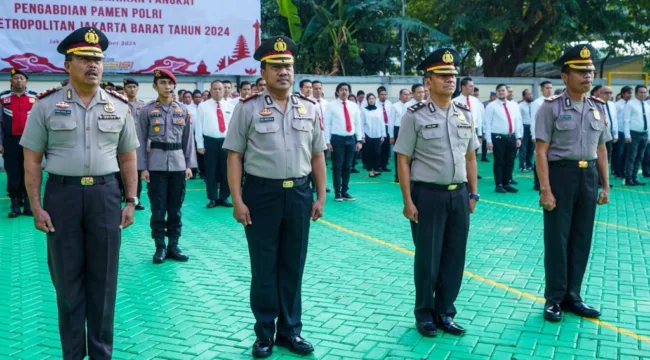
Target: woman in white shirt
(375, 132)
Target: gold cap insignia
(109, 107)
(91, 37)
(585, 53)
(13, 71)
(156, 73)
(302, 110)
(448, 58)
(280, 45)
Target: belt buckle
(287, 184)
(583, 164)
(452, 187)
(87, 181)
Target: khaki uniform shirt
(437, 140)
(169, 123)
(136, 106)
(80, 140)
(276, 144)
(573, 130)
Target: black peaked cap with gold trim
(579, 57)
(15, 71)
(442, 61)
(85, 41)
(277, 50)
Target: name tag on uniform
(566, 117)
(155, 115)
(464, 126)
(431, 126)
(66, 112)
(109, 117)
(302, 117)
(266, 119)
(178, 115)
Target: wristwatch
(474, 196)
(134, 200)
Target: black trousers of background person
(139, 184)
(83, 256)
(504, 151)
(396, 134)
(619, 155)
(343, 150)
(166, 190)
(634, 153)
(14, 165)
(484, 151)
(440, 239)
(385, 152)
(372, 149)
(216, 158)
(201, 163)
(277, 243)
(568, 228)
(527, 149)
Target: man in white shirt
(503, 133)
(321, 104)
(384, 106)
(635, 126)
(546, 88)
(306, 88)
(192, 106)
(619, 156)
(213, 117)
(395, 119)
(645, 165)
(474, 104)
(527, 148)
(605, 93)
(417, 96)
(343, 134)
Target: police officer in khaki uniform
(131, 88)
(279, 138)
(439, 191)
(166, 130)
(571, 132)
(83, 129)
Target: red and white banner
(192, 37)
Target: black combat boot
(173, 252)
(161, 253)
(15, 208)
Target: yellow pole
(609, 78)
(645, 78)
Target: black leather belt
(82, 180)
(166, 146)
(448, 187)
(582, 164)
(284, 183)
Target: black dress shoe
(514, 182)
(225, 203)
(354, 171)
(328, 190)
(211, 204)
(640, 183)
(426, 328)
(581, 309)
(447, 324)
(479, 177)
(174, 253)
(552, 312)
(139, 207)
(510, 189)
(262, 348)
(14, 214)
(500, 189)
(630, 182)
(385, 169)
(485, 160)
(295, 343)
(28, 212)
(160, 255)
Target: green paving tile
(357, 294)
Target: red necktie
(348, 122)
(509, 119)
(468, 104)
(222, 121)
(383, 105)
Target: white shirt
(381, 106)
(612, 118)
(496, 121)
(321, 105)
(620, 109)
(526, 110)
(192, 108)
(476, 108)
(334, 120)
(395, 114)
(207, 123)
(633, 117)
(373, 123)
(534, 107)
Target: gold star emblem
(448, 58)
(585, 53)
(280, 45)
(91, 37)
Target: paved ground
(358, 287)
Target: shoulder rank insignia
(248, 98)
(294, 100)
(306, 98)
(117, 95)
(47, 92)
(416, 107)
(597, 99)
(552, 98)
(461, 105)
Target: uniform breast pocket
(564, 132)
(597, 128)
(465, 135)
(304, 129)
(179, 124)
(109, 132)
(265, 134)
(156, 128)
(432, 134)
(62, 132)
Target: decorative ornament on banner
(192, 37)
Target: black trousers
(440, 239)
(568, 229)
(619, 155)
(484, 150)
(277, 245)
(216, 158)
(645, 165)
(634, 153)
(83, 256)
(527, 149)
(166, 190)
(139, 184)
(372, 149)
(504, 151)
(14, 165)
(201, 163)
(396, 134)
(343, 150)
(385, 152)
